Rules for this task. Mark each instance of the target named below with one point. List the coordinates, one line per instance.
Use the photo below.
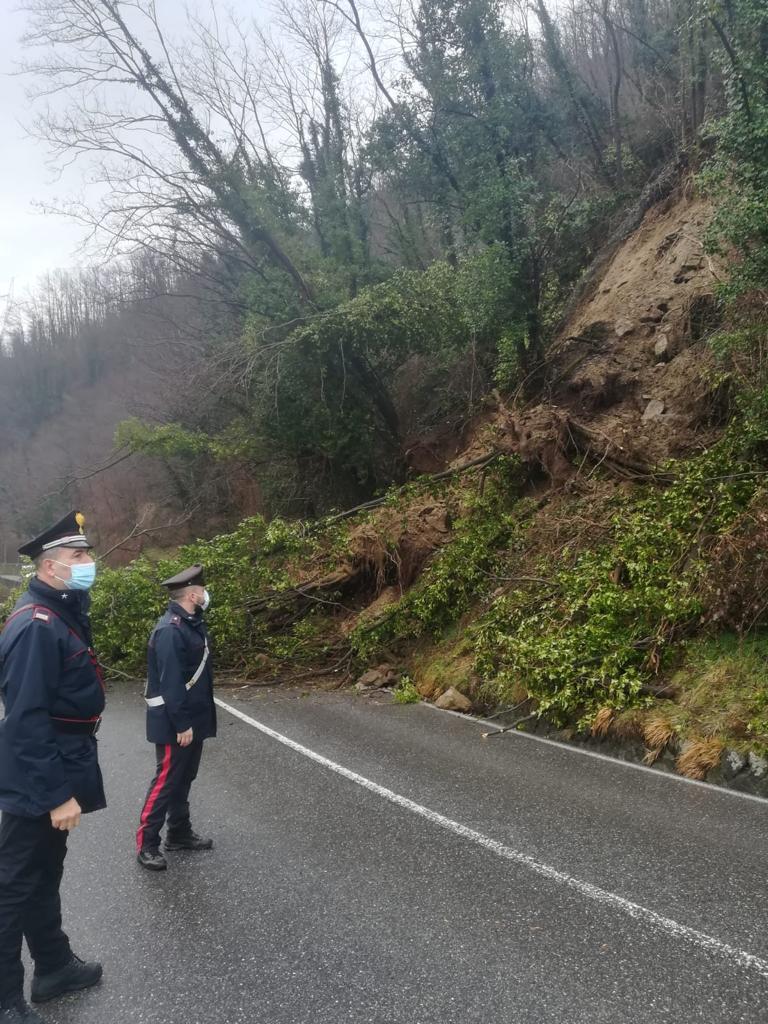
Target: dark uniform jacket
(49, 675)
(177, 647)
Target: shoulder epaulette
(39, 613)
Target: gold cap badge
(80, 520)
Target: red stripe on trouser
(152, 798)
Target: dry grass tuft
(652, 755)
(602, 722)
(698, 758)
(657, 732)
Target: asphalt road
(443, 880)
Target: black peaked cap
(191, 577)
(69, 532)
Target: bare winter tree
(177, 177)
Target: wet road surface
(326, 901)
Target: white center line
(732, 954)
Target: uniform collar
(193, 618)
(76, 600)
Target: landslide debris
(629, 388)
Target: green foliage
(406, 692)
(462, 570)
(592, 635)
(126, 602)
(323, 397)
(737, 177)
(163, 439)
(173, 440)
(601, 620)
(508, 373)
(328, 401)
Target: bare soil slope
(630, 370)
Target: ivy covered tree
(358, 218)
(738, 175)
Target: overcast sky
(30, 243)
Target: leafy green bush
(126, 602)
(406, 692)
(595, 634)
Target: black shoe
(72, 977)
(190, 841)
(152, 860)
(19, 1013)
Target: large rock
(663, 348)
(653, 410)
(452, 700)
(733, 763)
(375, 678)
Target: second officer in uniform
(181, 715)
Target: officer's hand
(184, 738)
(67, 816)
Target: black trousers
(32, 856)
(168, 794)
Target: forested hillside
(354, 246)
(329, 238)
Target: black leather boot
(190, 841)
(19, 1012)
(152, 860)
(72, 977)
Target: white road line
(572, 748)
(732, 954)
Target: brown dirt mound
(394, 545)
(632, 360)
(629, 373)
(385, 554)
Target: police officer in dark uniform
(181, 714)
(53, 693)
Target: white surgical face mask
(206, 601)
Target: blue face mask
(81, 576)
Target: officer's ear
(46, 565)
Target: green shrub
(594, 636)
(406, 692)
(126, 602)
